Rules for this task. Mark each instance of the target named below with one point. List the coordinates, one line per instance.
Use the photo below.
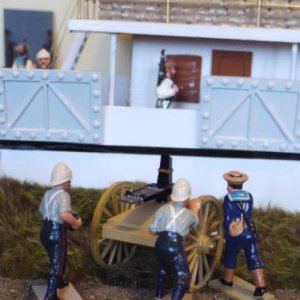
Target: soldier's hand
(77, 224)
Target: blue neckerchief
(239, 195)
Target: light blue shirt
(174, 217)
(55, 202)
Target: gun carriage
(125, 210)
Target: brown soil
(12, 289)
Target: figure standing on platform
(56, 211)
(240, 233)
(172, 223)
(22, 60)
(43, 59)
(166, 88)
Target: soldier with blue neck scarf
(237, 207)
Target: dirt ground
(21, 290)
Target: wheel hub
(205, 244)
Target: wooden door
(231, 63)
(187, 77)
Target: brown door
(231, 63)
(187, 77)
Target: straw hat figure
(240, 233)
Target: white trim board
(187, 30)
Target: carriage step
(67, 293)
(241, 289)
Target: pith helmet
(181, 190)
(43, 53)
(61, 173)
(235, 177)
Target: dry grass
(22, 256)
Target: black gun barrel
(159, 191)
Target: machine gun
(159, 191)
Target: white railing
(88, 9)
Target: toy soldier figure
(22, 61)
(56, 211)
(240, 233)
(43, 59)
(166, 88)
(172, 223)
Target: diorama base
(241, 290)
(187, 296)
(67, 293)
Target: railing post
(112, 68)
(293, 61)
(78, 9)
(168, 11)
(258, 13)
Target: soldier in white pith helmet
(43, 59)
(172, 223)
(57, 213)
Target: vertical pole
(168, 11)
(258, 13)
(112, 68)
(87, 9)
(294, 57)
(78, 9)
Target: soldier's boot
(227, 279)
(259, 282)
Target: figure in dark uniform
(56, 211)
(172, 223)
(237, 207)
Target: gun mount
(159, 191)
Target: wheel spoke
(107, 213)
(200, 268)
(213, 226)
(119, 256)
(205, 263)
(107, 248)
(115, 201)
(132, 250)
(204, 218)
(211, 216)
(194, 268)
(190, 247)
(192, 237)
(112, 253)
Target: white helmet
(181, 190)
(61, 173)
(43, 53)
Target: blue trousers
(248, 245)
(171, 257)
(54, 239)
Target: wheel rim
(204, 244)
(107, 251)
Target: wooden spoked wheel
(107, 251)
(204, 244)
